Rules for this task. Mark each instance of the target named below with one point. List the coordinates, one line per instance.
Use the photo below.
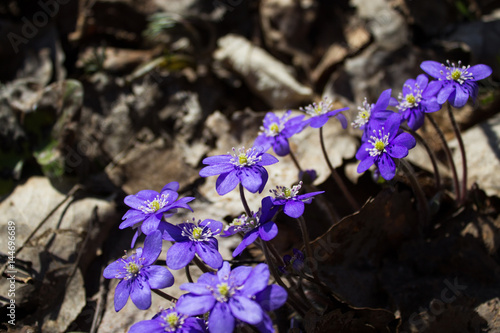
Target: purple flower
(276, 131)
(190, 239)
(258, 225)
(308, 176)
(294, 263)
(290, 198)
(370, 116)
(147, 208)
(242, 166)
(170, 320)
(139, 275)
(383, 146)
(456, 83)
(321, 112)
(238, 295)
(416, 99)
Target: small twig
(164, 295)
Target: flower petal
(268, 231)
(152, 247)
(196, 288)
(150, 224)
(219, 159)
(122, 293)
(445, 93)
(405, 139)
(383, 100)
(158, 277)
(386, 166)
(180, 254)
(318, 121)
(248, 239)
(461, 97)
(480, 71)
(251, 178)
(171, 232)
(281, 146)
(224, 271)
(294, 208)
(433, 68)
(239, 275)
(209, 253)
(365, 164)
(226, 182)
(245, 310)
(268, 159)
(221, 319)
(217, 169)
(193, 305)
(272, 297)
(256, 281)
(140, 293)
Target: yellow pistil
(242, 158)
(133, 268)
(287, 192)
(379, 145)
(364, 114)
(274, 128)
(172, 319)
(456, 75)
(155, 205)
(197, 232)
(223, 289)
(410, 99)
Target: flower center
(411, 99)
(132, 269)
(318, 109)
(363, 116)
(457, 73)
(224, 292)
(379, 142)
(172, 319)
(197, 232)
(155, 205)
(274, 128)
(242, 158)
(282, 192)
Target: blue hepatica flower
(242, 166)
(384, 145)
(231, 296)
(260, 224)
(370, 116)
(147, 208)
(320, 113)
(417, 98)
(290, 198)
(190, 239)
(139, 275)
(293, 263)
(276, 131)
(457, 83)
(171, 321)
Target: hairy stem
(458, 135)
(448, 155)
(164, 295)
(437, 176)
(354, 204)
(244, 201)
(424, 212)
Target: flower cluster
(239, 296)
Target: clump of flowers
(241, 294)
(243, 166)
(457, 83)
(276, 131)
(384, 145)
(193, 238)
(138, 274)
